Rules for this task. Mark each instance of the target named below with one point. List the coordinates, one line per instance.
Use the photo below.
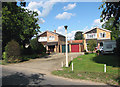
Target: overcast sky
(78, 16)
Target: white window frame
(101, 34)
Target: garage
(74, 47)
(64, 48)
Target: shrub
(27, 51)
(86, 53)
(37, 47)
(12, 52)
(91, 45)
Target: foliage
(118, 46)
(111, 9)
(18, 23)
(27, 51)
(91, 45)
(115, 30)
(78, 35)
(12, 51)
(37, 47)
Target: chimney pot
(54, 31)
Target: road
(38, 72)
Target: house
(98, 34)
(52, 41)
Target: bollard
(72, 66)
(104, 67)
(71, 58)
(62, 64)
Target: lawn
(91, 67)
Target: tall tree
(115, 30)
(111, 8)
(78, 35)
(18, 23)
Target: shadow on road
(22, 79)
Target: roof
(53, 33)
(75, 41)
(97, 28)
(57, 33)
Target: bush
(27, 51)
(86, 53)
(91, 45)
(12, 52)
(37, 47)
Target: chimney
(54, 31)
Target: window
(51, 38)
(42, 39)
(91, 35)
(102, 35)
(101, 43)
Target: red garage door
(75, 48)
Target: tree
(78, 35)
(115, 30)
(37, 47)
(18, 24)
(91, 45)
(111, 9)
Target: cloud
(45, 7)
(69, 7)
(61, 30)
(41, 21)
(97, 23)
(85, 29)
(64, 15)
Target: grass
(91, 67)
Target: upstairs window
(51, 38)
(102, 35)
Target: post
(72, 66)
(62, 64)
(104, 67)
(66, 47)
(71, 58)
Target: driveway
(38, 72)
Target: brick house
(52, 41)
(98, 34)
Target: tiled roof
(75, 41)
(96, 28)
(57, 34)
(53, 33)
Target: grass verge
(91, 67)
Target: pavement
(38, 72)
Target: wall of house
(51, 34)
(108, 34)
(61, 40)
